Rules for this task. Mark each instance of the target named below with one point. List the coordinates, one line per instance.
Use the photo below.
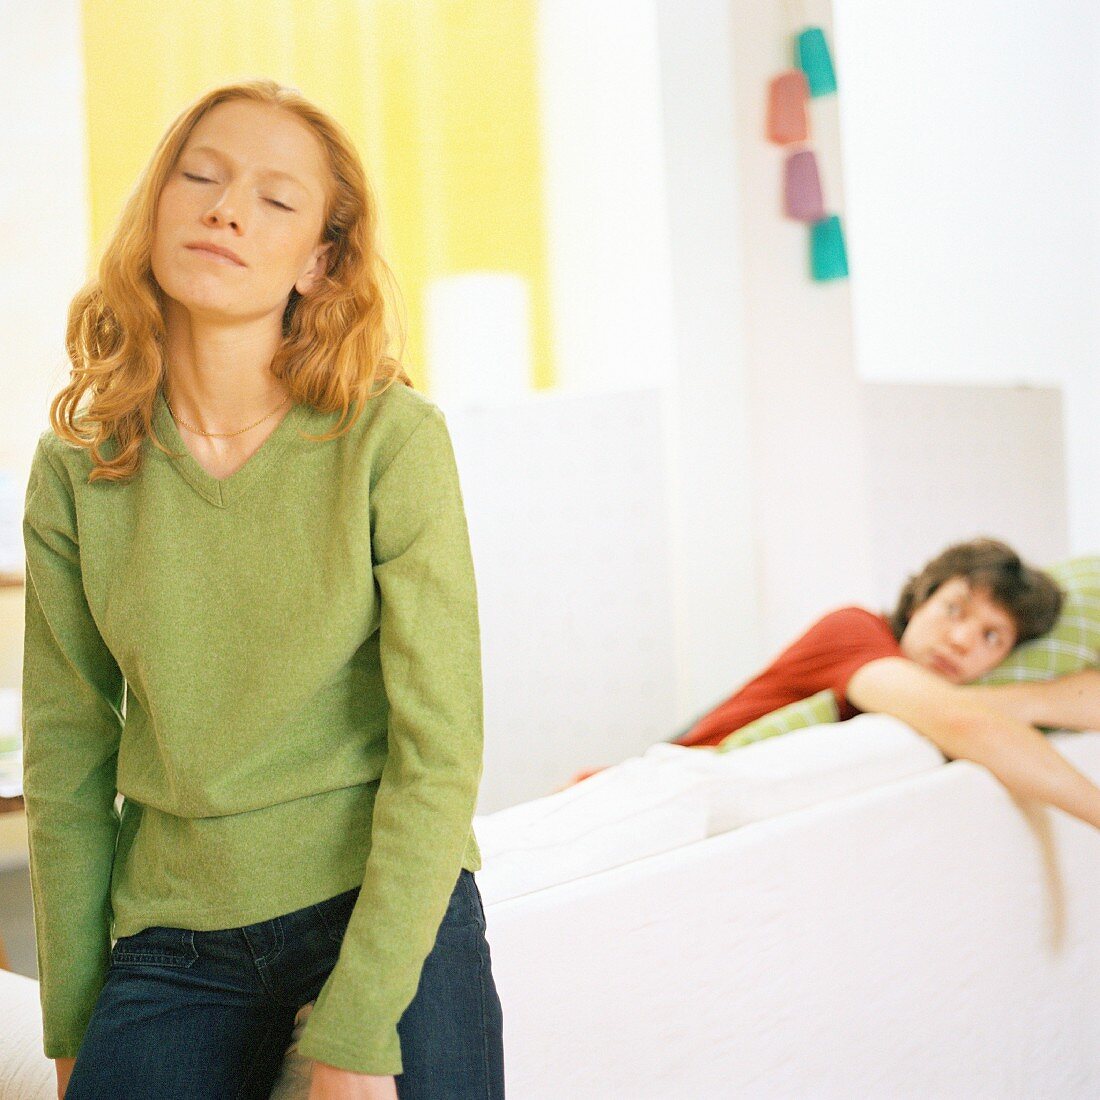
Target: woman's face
(251, 179)
(959, 632)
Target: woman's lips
(209, 252)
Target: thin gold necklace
(199, 431)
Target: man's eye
(993, 637)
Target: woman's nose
(223, 211)
(220, 215)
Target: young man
(955, 620)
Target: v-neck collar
(223, 491)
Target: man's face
(959, 632)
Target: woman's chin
(209, 306)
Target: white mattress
(925, 938)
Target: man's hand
(64, 1068)
(332, 1083)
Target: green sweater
(280, 672)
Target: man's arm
(964, 727)
(1071, 702)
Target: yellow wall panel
(440, 96)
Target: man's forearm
(1069, 702)
(1028, 765)
(963, 726)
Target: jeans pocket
(156, 945)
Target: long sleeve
(72, 723)
(430, 651)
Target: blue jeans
(187, 1015)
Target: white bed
(835, 913)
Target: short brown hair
(1030, 597)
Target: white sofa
(834, 913)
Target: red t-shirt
(827, 656)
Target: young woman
(955, 621)
(251, 611)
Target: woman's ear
(315, 270)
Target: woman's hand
(64, 1068)
(331, 1083)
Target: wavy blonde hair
(336, 339)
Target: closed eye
(274, 202)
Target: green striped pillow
(815, 711)
(1074, 643)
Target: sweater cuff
(381, 1058)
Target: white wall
(43, 220)
(969, 141)
(42, 226)
(604, 163)
(715, 547)
(566, 500)
(637, 128)
(807, 461)
(955, 462)
(961, 161)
